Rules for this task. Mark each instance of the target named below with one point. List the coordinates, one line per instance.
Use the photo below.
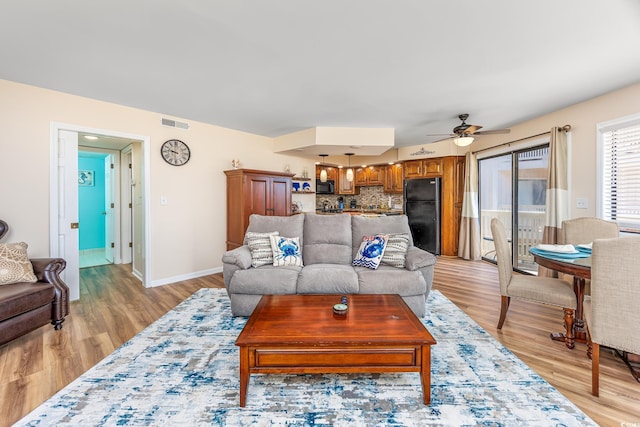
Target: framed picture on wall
(85, 178)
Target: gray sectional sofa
(329, 244)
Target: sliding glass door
(512, 188)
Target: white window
(619, 181)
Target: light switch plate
(582, 203)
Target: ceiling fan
(464, 133)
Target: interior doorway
(125, 221)
(103, 237)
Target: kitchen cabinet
(254, 192)
(425, 168)
(332, 173)
(452, 196)
(451, 170)
(393, 178)
(345, 187)
(370, 175)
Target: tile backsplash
(368, 197)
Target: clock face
(175, 152)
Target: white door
(126, 204)
(109, 226)
(67, 189)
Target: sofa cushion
(390, 280)
(328, 279)
(15, 266)
(286, 251)
(395, 253)
(260, 247)
(370, 252)
(290, 226)
(265, 280)
(327, 239)
(368, 226)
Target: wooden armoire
(254, 192)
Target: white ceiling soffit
(276, 67)
(336, 141)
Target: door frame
(54, 183)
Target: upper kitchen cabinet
(332, 173)
(393, 178)
(369, 175)
(254, 192)
(424, 168)
(345, 187)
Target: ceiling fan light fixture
(463, 141)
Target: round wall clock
(175, 152)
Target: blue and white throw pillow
(371, 250)
(286, 251)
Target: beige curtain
(469, 240)
(557, 191)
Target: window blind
(621, 177)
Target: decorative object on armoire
(175, 152)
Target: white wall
(188, 234)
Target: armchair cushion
(15, 266)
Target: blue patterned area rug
(183, 370)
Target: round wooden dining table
(580, 269)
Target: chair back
(615, 293)
(503, 254)
(584, 230)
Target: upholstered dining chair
(579, 231)
(584, 230)
(544, 290)
(615, 293)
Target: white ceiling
(276, 67)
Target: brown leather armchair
(25, 307)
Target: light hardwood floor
(114, 307)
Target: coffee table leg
(425, 373)
(244, 375)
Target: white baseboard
(174, 279)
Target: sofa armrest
(240, 257)
(418, 258)
(48, 270)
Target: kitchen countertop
(361, 211)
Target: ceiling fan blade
(450, 135)
(471, 129)
(442, 139)
(493, 132)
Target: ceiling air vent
(175, 124)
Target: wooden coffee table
(300, 334)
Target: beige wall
(188, 234)
(583, 118)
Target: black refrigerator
(422, 207)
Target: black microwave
(327, 187)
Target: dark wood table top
(580, 267)
(309, 320)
